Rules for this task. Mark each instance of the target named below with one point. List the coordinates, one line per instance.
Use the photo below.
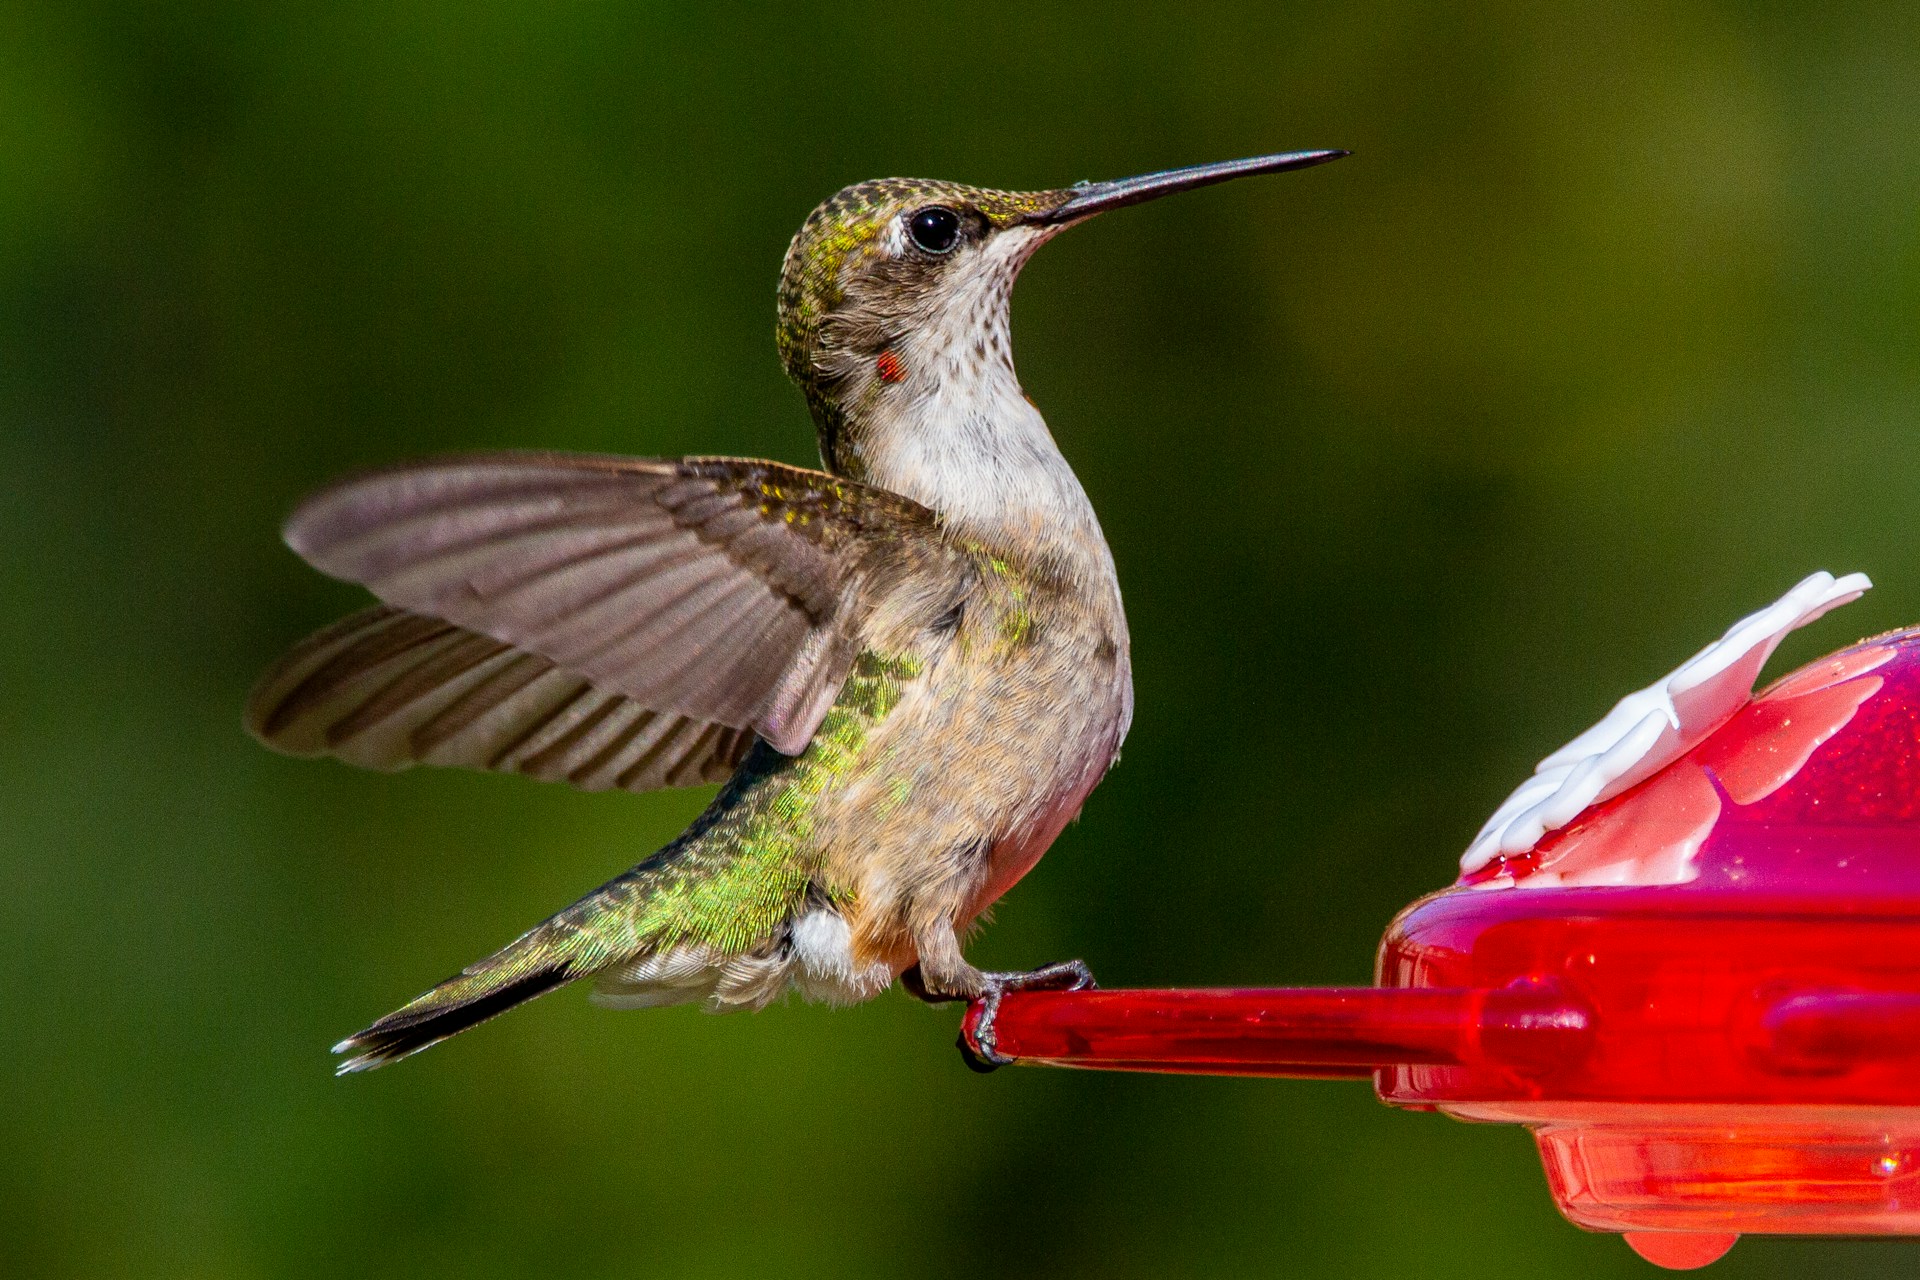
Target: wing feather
(722, 591)
(387, 689)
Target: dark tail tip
(429, 1020)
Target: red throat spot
(889, 368)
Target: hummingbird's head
(894, 286)
(893, 305)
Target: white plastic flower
(1648, 730)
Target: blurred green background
(1412, 465)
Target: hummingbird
(908, 668)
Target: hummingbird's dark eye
(935, 229)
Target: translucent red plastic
(1317, 1032)
(1703, 996)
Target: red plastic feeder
(1702, 994)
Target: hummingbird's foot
(982, 1052)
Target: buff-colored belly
(971, 782)
(1012, 857)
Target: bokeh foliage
(1411, 465)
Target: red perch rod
(1313, 1032)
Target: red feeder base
(1702, 996)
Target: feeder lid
(1813, 784)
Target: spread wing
(385, 689)
(715, 591)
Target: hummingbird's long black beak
(1088, 198)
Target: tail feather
(582, 941)
(486, 990)
(680, 926)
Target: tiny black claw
(976, 1063)
(983, 1053)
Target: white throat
(959, 435)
